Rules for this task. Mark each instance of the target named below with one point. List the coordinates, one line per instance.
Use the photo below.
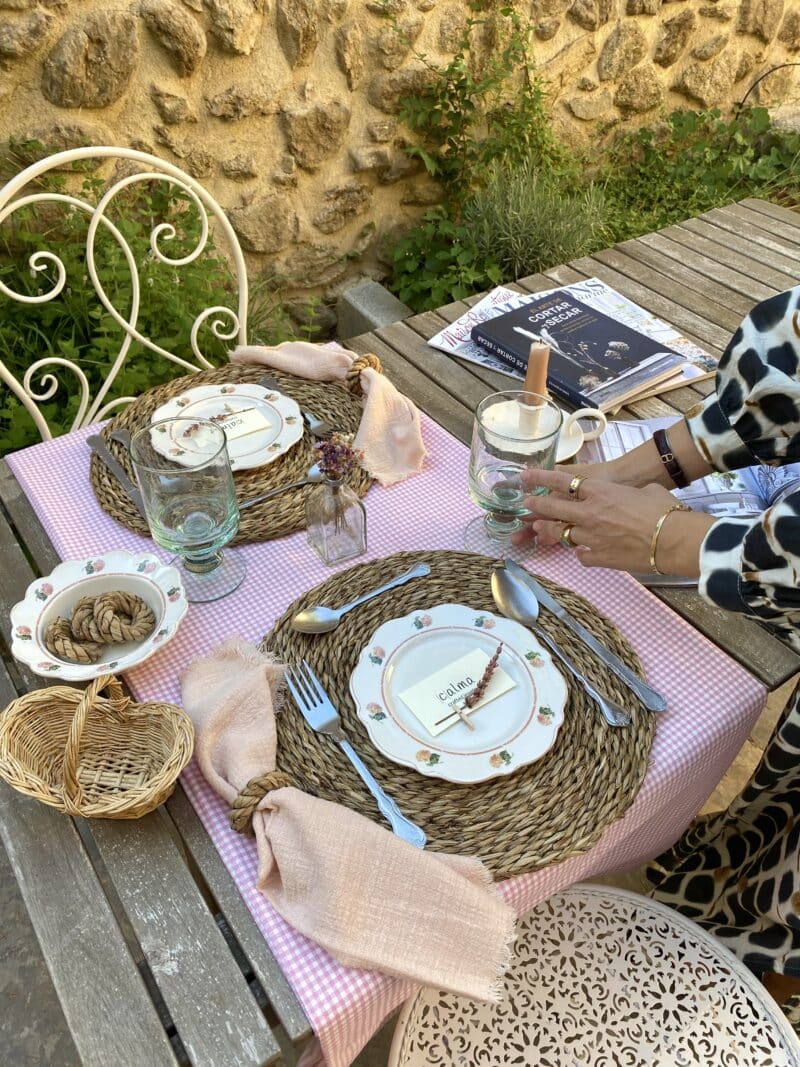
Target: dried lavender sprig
(472, 698)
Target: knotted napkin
(389, 434)
(369, 898)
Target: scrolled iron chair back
(225, 323)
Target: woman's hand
(612, 525)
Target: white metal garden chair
(604, 976)
(225, 322)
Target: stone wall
(287, 110)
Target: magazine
(738, 494)
(456, 339)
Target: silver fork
(320, 714)
(316, 427)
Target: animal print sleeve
(752, 565)
(754, 416)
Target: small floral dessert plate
(278, 424)
(511, 731)
(56, 595)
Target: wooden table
(153, 954)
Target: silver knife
(651, 699)
(106, 456)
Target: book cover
(595, 360)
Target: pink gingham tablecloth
(712, 702)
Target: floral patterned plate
(220, 403)
(511, 731)
(56, 595)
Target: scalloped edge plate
(511, 731)
(208, 401)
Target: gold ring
(575, 485)
(566, 535)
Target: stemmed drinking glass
(513, 431)
(191, 502)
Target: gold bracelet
(657, 531)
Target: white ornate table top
(605, 978)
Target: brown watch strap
(671, 465)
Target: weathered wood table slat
(152, 952)
(169, 971)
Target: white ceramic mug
(573, 434)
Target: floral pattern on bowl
(516, 728)
(145, 576)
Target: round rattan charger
(544, 813)
(282, 514)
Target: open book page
(740, 493)
(456, 340)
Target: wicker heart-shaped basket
(102, 757)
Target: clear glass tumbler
(513, 431)
(190, 501)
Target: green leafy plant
(695, 161)
(484, 104)
(75, 326)
(483, 107)
(438, 261)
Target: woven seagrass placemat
(274, 518)
(544, 813)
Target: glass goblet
(191, 501)
(514, 431)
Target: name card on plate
(240, 425)
(434, 699)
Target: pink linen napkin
(369, 898)
(389, 435)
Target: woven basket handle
(73, 794)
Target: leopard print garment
(737, 872)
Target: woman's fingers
(555, 506)
(548, 533)
(558, 479)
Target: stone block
(368, 306)
(92, 62)
(177, 32)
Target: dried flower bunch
(336, 456)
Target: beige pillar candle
(535, 383)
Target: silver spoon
(321, 619)
(313, 477)
(518, 602)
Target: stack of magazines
(604, 349)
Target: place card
(240, 424)
(432, 698)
